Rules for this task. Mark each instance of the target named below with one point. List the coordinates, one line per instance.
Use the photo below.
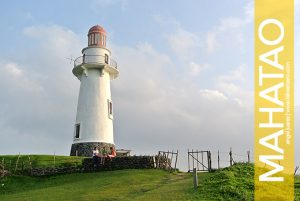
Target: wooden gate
(167, 160)
(201, 160)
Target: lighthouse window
(106, 58)
(110, 109)
(90, 39)
(77, 130)
(97, 38)
(93, 39)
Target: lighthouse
(94, 119)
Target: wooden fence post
(154, 161)
(176, 159)
(22, 167)
(30, 164)
(54, 159)
(158, 160)
(248, 154)
(167, 160)
(3, 164)
(209, 161)
(218, 159)
(230, 156)
(202, 160)
(188, 160)
(197, 161)
(171, 160)
(193, 158)
(195, 178)
(210, 167)
(208, 156)
(76, 162)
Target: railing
(95, 59)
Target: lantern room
(97, 36)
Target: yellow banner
(274, 100)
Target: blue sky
(186, 73)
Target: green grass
(297, 187)
(232, 183)
(39, 161)
(115, 185)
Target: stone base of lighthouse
(86, 148)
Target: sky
(186, 74)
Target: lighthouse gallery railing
(95, 59)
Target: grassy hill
(39, 161)
(233, 183)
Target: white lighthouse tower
(94, 120)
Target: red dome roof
(97, 29)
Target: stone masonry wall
(119, 163)
(38, 172)
(86, 148)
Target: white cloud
(57, 40)
(211, 42)
(230, 23)
(213, 95)
(229, 28)
(234, 83)
(166, 21)
(237, 74)
(13, 70)
(16, 80)
(195, 69)
(183, 43)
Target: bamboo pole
(17, 162)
